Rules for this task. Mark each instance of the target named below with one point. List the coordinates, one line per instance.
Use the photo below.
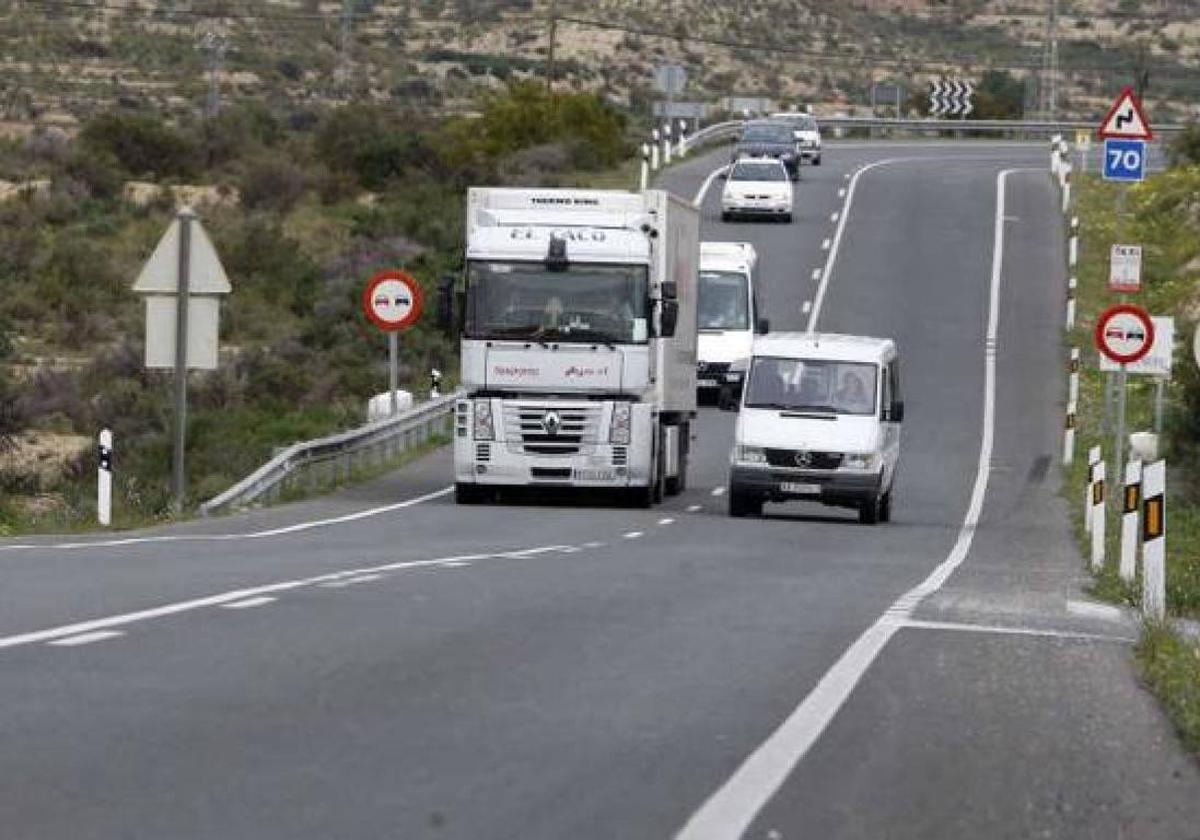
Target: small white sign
(1125, 268)
(1158, 361)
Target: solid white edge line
(1003, 630)
(251, 535)
(698, 201)
(260, 601)
(731, 809)
(86, 638)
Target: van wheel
(817, 160)
(787, 218)
(885, 507)
(742, 504)
(725, 217)
(869, 511)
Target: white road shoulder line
(251, 535)
(1105, 611)
(260, 601)
(86, 638)
(730, 810)
(698, 201)
(593, 545)
(960, 627)
(806, 307)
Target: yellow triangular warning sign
(1126, 119)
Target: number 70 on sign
(1124, 160)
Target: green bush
(145, 146)
(1185, 149)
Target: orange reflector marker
(1098, 493)
(1152, 518)
(1132, 494)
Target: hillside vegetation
(302, 212)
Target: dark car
(769, 138)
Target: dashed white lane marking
(219, 599)
(632, 535)
(718, 491)
(806, 307)
(833, 217)
(693, 508)
(87, 638)
(816, 274)
(252, 535)
(592, 545)
(1105, 611)
(825, 245)
(249, 603)
(730, 810)
(842, 191)
(837, 240)
(666, 520)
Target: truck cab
(578, 342)
(819, 420)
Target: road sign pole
(181, 361)
(1160, 395)
(1119, 435)
(394, 370)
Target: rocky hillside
(65, 59)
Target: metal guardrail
(338, 455)
(725, 131)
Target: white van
(727, 315)
(819, 420)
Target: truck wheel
(468, 494)
(885, 507)
(817, 160)
(678, 484)
(869, 511)
(725, 217)
(741, 504)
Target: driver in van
(852, 394)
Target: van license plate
(800, 489)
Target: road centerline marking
(732, 808)
(718, 491)
(666, 520)
(632, 535)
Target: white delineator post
(104, 479)
(1097, 501)
(1073, 376)
(1071, 284)
(654, 150)
(1066, 188)
(1154, 541)
(1054, 154)
(1093, 459)
(1130, 505)
(667, 145)
(645, 177)
(681, 148)
(1069, 435)
(1073, 243)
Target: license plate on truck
(798, 489)
(593, 475)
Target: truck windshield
(724, 301)
(812, 385)
(604, 303)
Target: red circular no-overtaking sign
(392, 300)
(1124, 333)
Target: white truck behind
(578, 342)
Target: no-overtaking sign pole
(392, 301)
(1124, 334)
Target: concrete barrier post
(1130, 507)
(1093, 459)
(1069, 435)
(1097, 501)
(654, 150)
(1154, 541)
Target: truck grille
(798, 459)
(552, 429)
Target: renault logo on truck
(551, 422)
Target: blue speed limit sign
(1124, 160)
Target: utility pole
(213, 44)
(342, 74)
(553, 40)
(1048, 87)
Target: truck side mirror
(445, 305)
(763, 326)
(895, 412)
(668, 317)
(670, 290)
(729, 397)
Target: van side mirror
(668, 317)
(895, 412)
(763, 326)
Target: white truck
(578, 342)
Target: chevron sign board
(951, 98)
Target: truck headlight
(860, 462)
(482, 427)
(751, 455)
(618, 429)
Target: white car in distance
(757, 187)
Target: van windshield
(724, 301)
(812, 385)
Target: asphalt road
(364, 666)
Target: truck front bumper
(830, 487)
